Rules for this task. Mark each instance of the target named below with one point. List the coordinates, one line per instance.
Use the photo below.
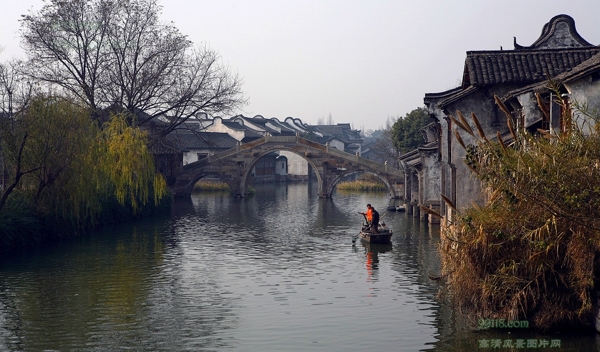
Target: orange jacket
(370, 214)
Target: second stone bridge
(234, 166)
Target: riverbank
(22, 226)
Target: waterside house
(438, 166)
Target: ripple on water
(276, 271)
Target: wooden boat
(376, 248)
(384, 235)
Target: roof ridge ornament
(558, 33)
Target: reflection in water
(110, 291)
(275, 272)
(372, 251)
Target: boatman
(374, 221)
(372, 218)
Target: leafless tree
(66, 42)
(15, 88)
(330, 120)
(15, 93)
(384, 145)
(118, 55)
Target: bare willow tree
(15, 93)
(118, 55)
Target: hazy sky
(360, 61)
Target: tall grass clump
(210, 186)
(217, 186)
(365, 183)
(532, 252)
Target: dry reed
(533, 251)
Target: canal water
(277, 271)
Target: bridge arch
(250, 166)
(190, 186)
(330, 165)
(337, 179)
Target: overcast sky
(360, 61)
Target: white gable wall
(297, 165)
(218, 126)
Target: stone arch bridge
(234, 166)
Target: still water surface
(277, 271)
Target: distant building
(236, 129)
(198, 145)
(340, 136)
(202, 136)
(270, 127)
(368, 151)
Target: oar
(367, 221)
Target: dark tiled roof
(296, 123)
(431, 97)
(279, 129)
(233, 125)
(164, 147)
(342, 132)
(431, 146)
(257, 120)
(583, 69)
(326, 138)
(285, 129)
(457, 96)
(521, 66)
(249, 133)
(412, 158)
(201, 140)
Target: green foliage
(41, 145)
(74, 174)
(533, 250)
(19, 226)
(406, 131)
(125, 160)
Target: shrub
(532, 252)
(19, 227)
